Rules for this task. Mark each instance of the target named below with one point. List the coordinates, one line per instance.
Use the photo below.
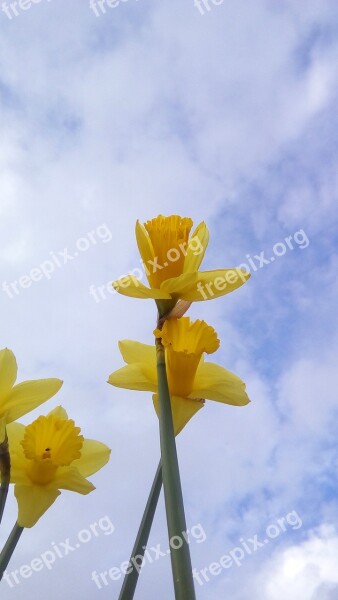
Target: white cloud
(307, 570)
(151, 109)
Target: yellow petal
(216, 383)
(131, 286)
(196, 248)
(183, 409)
(19, 467)
(19, 463)
(135, 377)
(27, 395)
(33, 501)
(8, 372)
(16, 433)
(94, 455)
(69, 478)
(135, 352)
(212, 284)
(180, 284)
(144, 243)
(59, 412)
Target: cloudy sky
(227, 115)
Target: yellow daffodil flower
(190, 379)
(49, 455)
(171, 260)
(17, 400)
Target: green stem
(179, 548)
(5, 468)
(9, 548)
(131, 577)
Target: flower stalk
(131, 577)
(9, 548)
(180, 555)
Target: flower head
(191, 380)
(17, 400)
(163, 235)
(49, 455)
(171, 258)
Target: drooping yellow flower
(171, 260)
(47, 456)
(17, 400)
(190, 379)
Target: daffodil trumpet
(132, 574)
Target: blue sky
(228, 117)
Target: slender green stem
(5, 469)
(164, 307)
(179, 548)
(131, 577)
(9, 548)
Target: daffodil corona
(49, 455)
(17, 400)
(171, 258)
(191, 379)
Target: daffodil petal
(179, 285)
(19, 463)
(196, 248)
(183, 409)
(212, 284)
(59, 412)
(144, 243)
(213, 382)
(131, 286)
(69, 478)
(138, 376)
(8, 371)
(135, 352)
(94, 455)
(33, 501)
(15, 433)
(27, 395)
